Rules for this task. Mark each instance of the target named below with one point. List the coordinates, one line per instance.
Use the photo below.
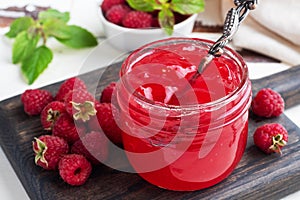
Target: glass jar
(180, 134)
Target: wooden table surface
(257, 176)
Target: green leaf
(53, 14)
(187, 7)
(166, 20)
(57, 28)
(19, 25)
(80, 38)
(35, 64)
(144, 5)
(24, 45)
(163, 1)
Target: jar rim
(190, 107)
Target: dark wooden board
(257, 176)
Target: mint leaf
(187, 7)
(166, 20)
(19, 25)
(144, 5)
(163, 1)
(57, 28)
(53, 14)
(80, 38)
(27, 33)
(34, 65)
(24, 45)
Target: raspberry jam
(180, 134)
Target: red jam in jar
(180, 134)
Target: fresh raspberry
(137, 19)
(270, 138)
(51, 112)
(80, 104)
(34, 100)
(66, 128)
(155, 22)
(48, 150)
(106, 121)
(94, 146)
(67, 86)
(107, 93)
(267, 103)
(74, 169)
(179, 17)
(107, 4)
(116, 13)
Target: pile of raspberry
(119, 12)
(269, 137)
(78, 128)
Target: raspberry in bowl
(127, 29)
(180, 134)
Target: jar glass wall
(180, 134)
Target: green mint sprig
(167, 8)
(30, 40)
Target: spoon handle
(233, 19)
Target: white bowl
(128, 39)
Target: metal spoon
(233, 19)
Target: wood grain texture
(287, 83)
(256, 177)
